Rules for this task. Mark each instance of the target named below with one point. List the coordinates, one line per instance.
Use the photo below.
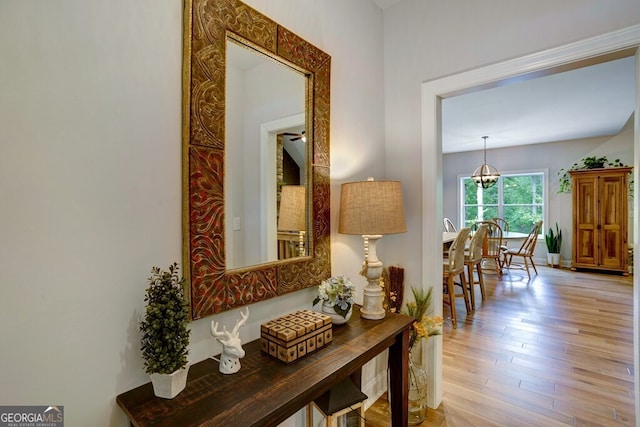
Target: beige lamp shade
(371, 208)
(292, 208)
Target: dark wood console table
(266, 392)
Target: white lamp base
(372, 296)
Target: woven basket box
(295, 335)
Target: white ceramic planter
(169, 386)
(336, 318)
(553, 259)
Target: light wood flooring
(553, 351)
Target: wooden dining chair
(492, 245)
(526, 250)
(505, 230)
(449, 226)
(452, 268)
(502, 223)
(473, 261)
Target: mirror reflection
(266, 157)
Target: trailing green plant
(592, 162)
(553, 240)
(164, 331)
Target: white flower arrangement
(338, 292)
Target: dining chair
(526, 250)
(492, 252)
(502, 223)
(505, 230)
(473, 261)
(448, 225)
(453, 267)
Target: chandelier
(485, 176)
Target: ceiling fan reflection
(296, 136)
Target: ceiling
(584, 103)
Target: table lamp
(292, 212)
(371, 208)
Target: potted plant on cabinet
(554, 245)
(164, 332)
(592, 162)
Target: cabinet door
(585, 220)
(613, 213)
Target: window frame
(545, 191)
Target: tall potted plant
(554, 245)
(164, 332)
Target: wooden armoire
(600, 219)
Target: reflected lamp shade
(292, 208)
(371, 208)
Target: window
(517, 197)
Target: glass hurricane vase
(417, 392)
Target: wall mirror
(255, 137)
(265, 141)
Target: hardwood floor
(555, 351)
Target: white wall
(90, 182)
(552, 156)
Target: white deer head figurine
(232, 350)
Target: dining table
(514, 235)
(450, 236)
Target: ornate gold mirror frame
(213, 288)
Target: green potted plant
(164, 332)
(554, 245)
(592, 162)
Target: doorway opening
(576, 55)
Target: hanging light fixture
(485, 176)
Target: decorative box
(295, 335)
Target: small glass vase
(418, 380)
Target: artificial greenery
(592, 162)
(338, 292)
(553, 240)
(165, 336)
(424, 326)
